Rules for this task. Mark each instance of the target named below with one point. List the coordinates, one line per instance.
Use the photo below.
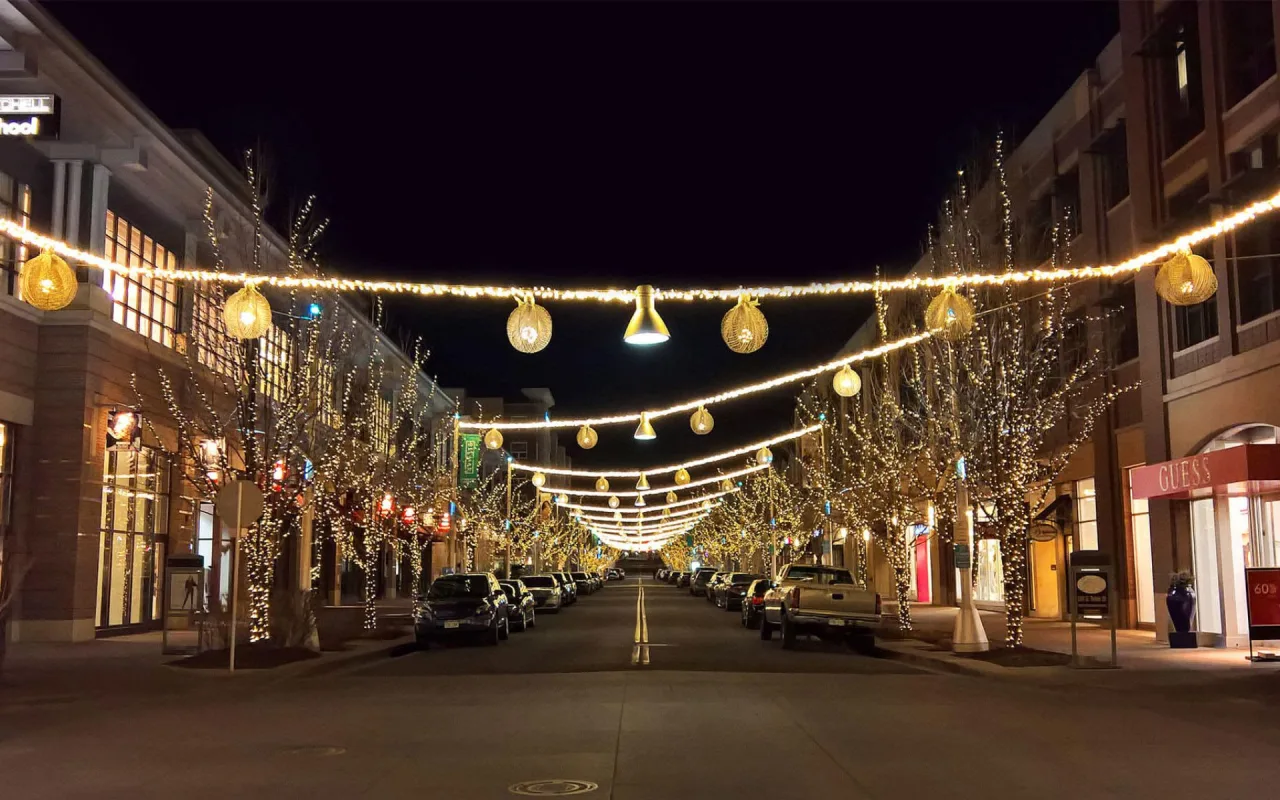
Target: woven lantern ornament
(671, 497)
(764, 456)
(950, 315)
(493, 439)
(247, 314)
(682, 476)
(666, 512)
(529, 326)
(562, 498)
(587, 437)
(602, 484)
(47, 282)
(538, 479)
(614, 502)
(846, 382)
(726, 485)
(1186, 280)
(744, 327)
(643, 483)
(702, 422)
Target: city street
(716, 713)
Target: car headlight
(482, 611)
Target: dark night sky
(609, 143)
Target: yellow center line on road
(640, 651)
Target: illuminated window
(15, 204)
(148, 306)
(321, 381)
(1086, 515)
(1143, 574)
(275, 364)
(380, 426)
(213, 347)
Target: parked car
(545, 590)
(729, 592)
(597, 583)
(698, 584)
(674, 578)
(467, 602)
(582, 582)
(570, 586)
(684, 579)
(826, 602)
(753, 602)
(614, 574)
(713, 584)
(520, 605)
(661, 574)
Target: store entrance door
(923, 583)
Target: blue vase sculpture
(1181, 602)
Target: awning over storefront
(1243, 470)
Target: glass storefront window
(134, 513)
(1086, 497)
(1140, 530)
(990, 585)
(1204, 555)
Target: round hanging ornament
(587, 437)
(614, 502)
(682, 476)
(1186, 280)
(846, 382)
(48, 282)
(247, 314)
(701, 421)
(949, 315)
(493, 439)
(744, 327)
(529, 326)
(602, 484)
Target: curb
(339, 662)
(909, 651)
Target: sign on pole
(239, 505)
(1263, 587)
(469, 471)
(962, 555)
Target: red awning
(1243, 470)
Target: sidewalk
(1136, 651)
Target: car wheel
(494, 636)
(766, 628)
(788, 634)
(505, 630)
(533, 619)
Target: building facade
(1176, 124)
(96, 522)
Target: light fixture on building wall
(646, 326)
(124, 429)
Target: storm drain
(552, 787)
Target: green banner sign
(469, 460)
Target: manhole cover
(552, 787)
(316, 750)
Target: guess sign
(1184, 476)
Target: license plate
(835, 622)
(451, 624)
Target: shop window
(1124, 322)
(1257, 261)
(519, 450)
(216, 551)
(134, 513)
(380, 426)
(275, 364)
(1140, 530)
(145, 305)
(1113, 150)
(15, 204)
(989, 587)
(1249, 48)
(1086, 499)
(214, 348)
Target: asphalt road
(602, 632)
(712, 716)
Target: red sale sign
(1263, 586)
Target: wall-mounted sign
(34, 116)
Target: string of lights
(690, 405)
(660, 489)
(699, 462)
(679, 503)
(17, 231)
(611, 517)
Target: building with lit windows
(1177, 123)
(107, 176)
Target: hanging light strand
(674, 504)
(1246, 215)
(662, 489)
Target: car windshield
(539, 581)
(579, 576)
(742, 577)
(823, 575)
(452, 586)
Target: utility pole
(510, 528)
(969, 636)
(454, 471)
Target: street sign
(469, 475)
(963, 556)
(239, 505)
(1263, 587)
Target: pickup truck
(820, 601)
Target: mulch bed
(1020, 657)
(249, 656)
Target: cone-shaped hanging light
(644, 431)
(646, 326)
(640, 501)
(643, 483)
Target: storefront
(1229, 495)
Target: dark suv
(698, 584)
(468, 602)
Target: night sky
(609, 143)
